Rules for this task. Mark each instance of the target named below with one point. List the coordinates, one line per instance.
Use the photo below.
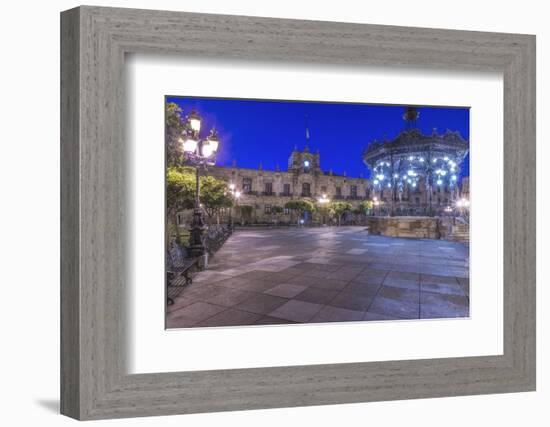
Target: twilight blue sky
(254, 131)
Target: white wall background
(29, 212)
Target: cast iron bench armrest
(179, 276)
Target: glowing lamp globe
(207, 149)
(189, 145)
(194, 121)
(213, 140)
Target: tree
(322, 212)
(214, 196)
(181, 188)
(180, 192)
(338, 209)
(276, 211)
(366, 206)
(300, 206)
(174, 128)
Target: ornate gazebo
(416, 174)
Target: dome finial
(410, 116)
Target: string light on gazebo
(414, 161)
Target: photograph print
(291, 212)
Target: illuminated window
(247, 185)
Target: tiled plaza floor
(306, 275)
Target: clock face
(306, 163)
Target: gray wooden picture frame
(94, 382)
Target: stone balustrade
(419, 227)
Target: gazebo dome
(413, 161)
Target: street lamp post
(236, 195)
(323, 201)
(199, 153)
(376, 203)
(462, 205)
(231, 190)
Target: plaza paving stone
(316, 295)
(297, 311)
(330, 274)
(286, 290)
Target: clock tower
(302, 162)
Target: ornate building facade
(414, 174)
(304, 179)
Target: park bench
(216, 237)
(179, 267)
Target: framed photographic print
(292, 213)
(373, 232)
